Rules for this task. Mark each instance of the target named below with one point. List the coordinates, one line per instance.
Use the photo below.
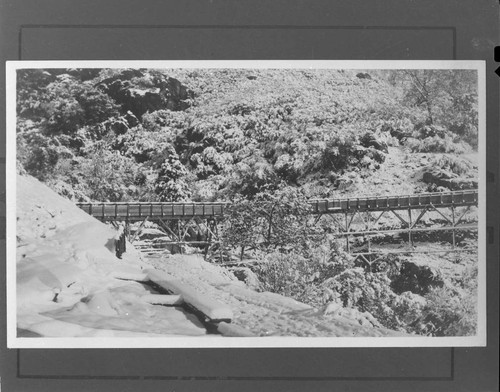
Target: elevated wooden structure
(134, 212)
(381, 203)
(359, 220)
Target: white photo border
(228, 342)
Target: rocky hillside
(130, 134)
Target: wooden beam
(138, 231)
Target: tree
(448, 97)
(109, 176)
(422, 91)
(171, 184)
(271, 221)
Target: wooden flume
(198, 224)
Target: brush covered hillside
(141, 135)
(279, 137)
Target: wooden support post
(179, 234)
(168, 230)
(453, 226)
(467, 209)
(366, 261)
(347, 231)
(368, 227)
(410, 226)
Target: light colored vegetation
(266, 139)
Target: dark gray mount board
(255, 30)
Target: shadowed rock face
(165, 93)
(447, 179)
(362, 75)
(416, 278)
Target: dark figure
(120, 244)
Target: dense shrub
(108, 176)
(451, 311)
(289, 274)
(37, 154)
(303, 273)
(250, 178)
(326, 274)
(437, 144)
(70, 104)
(366, 292)
(408, 308)
(170, 184)
(447, 315)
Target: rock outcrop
(416, 278)
(161, 92)
(370, 139)
(445, 178)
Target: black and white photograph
(246, 204)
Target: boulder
(248, 276)
(177, 94)
(119, 126)
(399, 134)
(165, 93)
(84, 73)
(370, 139)
(131, 119)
